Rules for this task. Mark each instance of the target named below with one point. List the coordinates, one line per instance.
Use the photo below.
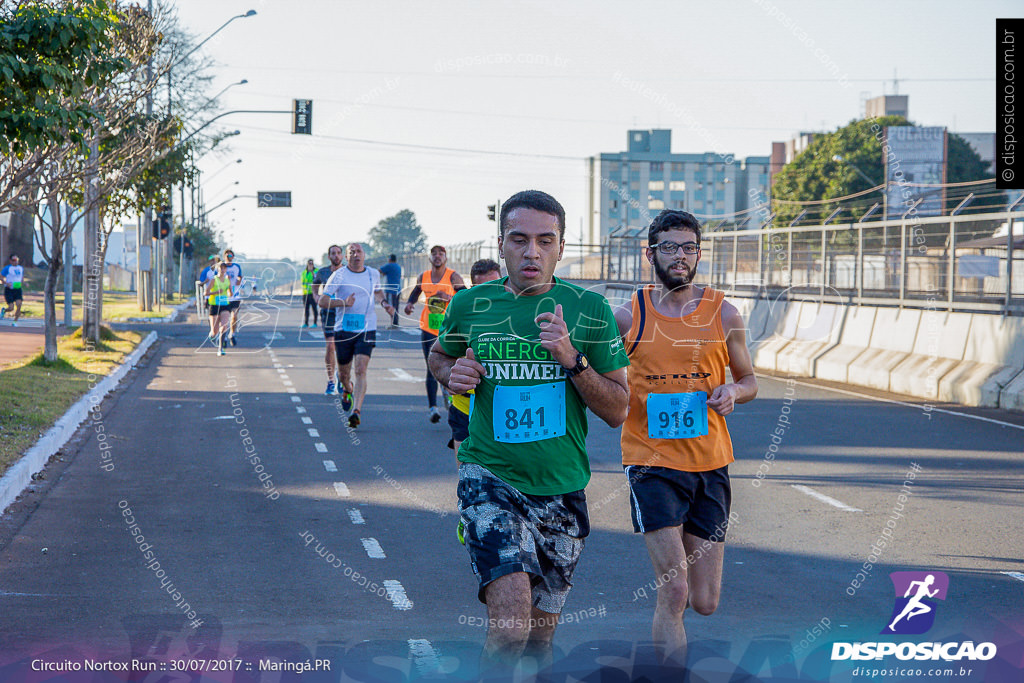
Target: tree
(50, 53)
(398, 234)
(817, 175)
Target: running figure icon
(915, 607)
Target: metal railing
(952, 263)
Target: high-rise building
(630, 188)
(887, 105)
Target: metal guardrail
(948, 263)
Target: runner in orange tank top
(438, 284)
(676, 447)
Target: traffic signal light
(183, 242)
(491, 211)
(162, 224)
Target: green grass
(37, 392)
(116, 306)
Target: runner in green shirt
(537, 352)
(308, 300)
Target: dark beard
(670, 281)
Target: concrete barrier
(818, 332)
(1012, 395)
(993, 357)
(939, 347)
(765, 352)
(854, 338)
(892, 341)
(763, 322)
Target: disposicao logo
(913, 613)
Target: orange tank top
(676, 357)
(433, 310)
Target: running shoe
(233, 342)
(220, 351)
(346, 400)
(3, 312)
(435, 414)
(459, 532)
(353, 419)
(330, 389)
(305, 325)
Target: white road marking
(313, 433)
(320, 447)
(356, 515)
(424, 656)
(221, 417)
(291, 390)
(373, 549)
(396, 594)
(300, 410)
(296, 399)
(330, 466)
(307, 420)
(341, 489)
(280, 370)
(917, 406)
(824, 499)
(1014, 575)
(403, 376)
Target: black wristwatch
(581, 364)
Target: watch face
(583, 362)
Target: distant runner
(204, 276)
(353, 293)
(218, 293)
(12, 275)
(438, 285)
(538, 352)
(676, 447)
(308, 302)
(234, 272)
(327, 317)
(392, 273)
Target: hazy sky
(517, 94)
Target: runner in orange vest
(438, 284)
(676, 447)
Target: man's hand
(466, 373)
(554, 336)
(408, 308)
(723, 399)
(350, 301)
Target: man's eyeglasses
(670, 248)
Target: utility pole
(144, 230)
(92, 266)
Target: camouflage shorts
(508, 531)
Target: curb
(20, 474)
(169, 318)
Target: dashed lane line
(825, 499)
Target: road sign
(302, 122)
(273, 199)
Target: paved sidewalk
(23, 341)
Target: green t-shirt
(501, 329)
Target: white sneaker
(435, 415)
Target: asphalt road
(340, 545)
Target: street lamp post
(250, 13)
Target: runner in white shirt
(11, 276)
(354, 291)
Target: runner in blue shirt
(392, 273)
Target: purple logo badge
(917, 594)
